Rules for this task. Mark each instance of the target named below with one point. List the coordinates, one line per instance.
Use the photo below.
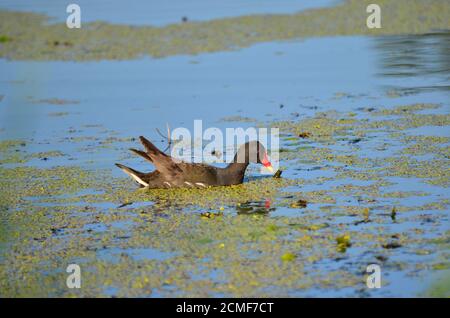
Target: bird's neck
(234, 173)
(237, 167)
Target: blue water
(159, 13)
(131, 98)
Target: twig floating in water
(278, 174)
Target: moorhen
(171, 173)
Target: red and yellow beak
(266, 163)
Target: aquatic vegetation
(10, 151)
(238, 119)
(440, 289)
(58, 114)
(403, 110)
(13, 152)
(55, 101)
(288, 257)
(343, 242)
(4, 39)
(358, 187)
(30, 36)
(282, 236)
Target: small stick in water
(278, 174)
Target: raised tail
(151, 149)
(162, 162)
(136, 175)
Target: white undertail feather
(135, 177)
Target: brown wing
(163, 163)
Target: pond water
(159, 13)
(90, 111)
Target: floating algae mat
(289, 236)
(29, 36)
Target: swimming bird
(171, 173)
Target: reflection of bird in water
(255, 207)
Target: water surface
(166, 247)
